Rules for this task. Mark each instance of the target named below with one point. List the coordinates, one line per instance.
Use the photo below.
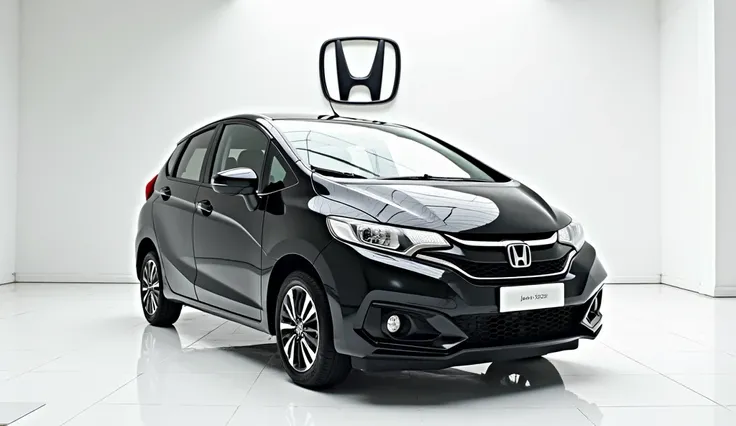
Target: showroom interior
(618, 111)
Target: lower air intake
(514, 328)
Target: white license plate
(528, 297)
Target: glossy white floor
(85, 354)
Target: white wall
(688, 146)
(725, 132)
(560, 94)
(698, 103)
(9, 98)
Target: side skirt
(254, 324)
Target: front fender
(299, 247)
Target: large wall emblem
(382, 79)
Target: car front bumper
(453, 320)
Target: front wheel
(157, 309)
(304, 334)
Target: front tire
(304, 334)
(158, 310)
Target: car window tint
(190, 166)
(278, 172)
(241, 145)
(171, 164)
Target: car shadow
(523, 383)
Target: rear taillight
(149, 187)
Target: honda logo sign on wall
(337, 69)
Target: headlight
(572, 235)
(404, 241)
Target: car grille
(514, 328)
(504, 269)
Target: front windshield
(375, 151)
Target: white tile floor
(86, 356)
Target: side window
(241, 145)
(277, 171)
(190, 166)
(171, 165)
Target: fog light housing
(593, 315)
(393, 324)
(593, 310)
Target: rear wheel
(304, 334)
(157, 309)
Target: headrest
(231, 163)
(251, 158)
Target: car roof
(302, 116)
(289, 116)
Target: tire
(328, 368)
(158, 310)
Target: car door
(173, 212)
(227, 234)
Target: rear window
(171, 165)
(192, 161)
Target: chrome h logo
(520, 255)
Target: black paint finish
(465, 209)
(227, 248)
(227, 254)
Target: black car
(362, 244)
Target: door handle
(165, 193)
(205, 207)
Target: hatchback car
(362, 244)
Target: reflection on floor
(12, 411)
(665, 356)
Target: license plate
(528, 297)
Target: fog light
(393, 324)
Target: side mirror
(237, 181)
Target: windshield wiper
(430, 177)
(336, 173)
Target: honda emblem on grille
(520, 255)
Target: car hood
(503, 209)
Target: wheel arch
(281, 269)
(144, 246)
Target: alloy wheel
(299, 328)
(150, 287)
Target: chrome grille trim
(570, 257)
(532, 243)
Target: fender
(299, 247)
